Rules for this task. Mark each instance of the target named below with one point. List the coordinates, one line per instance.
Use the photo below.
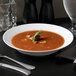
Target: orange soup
(49, 41)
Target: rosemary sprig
(36, 34)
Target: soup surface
(49, 41)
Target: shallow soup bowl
(66, 34)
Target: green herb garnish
(36, 34)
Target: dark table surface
(45, 66)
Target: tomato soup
(49, 41)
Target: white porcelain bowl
(68, 36)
